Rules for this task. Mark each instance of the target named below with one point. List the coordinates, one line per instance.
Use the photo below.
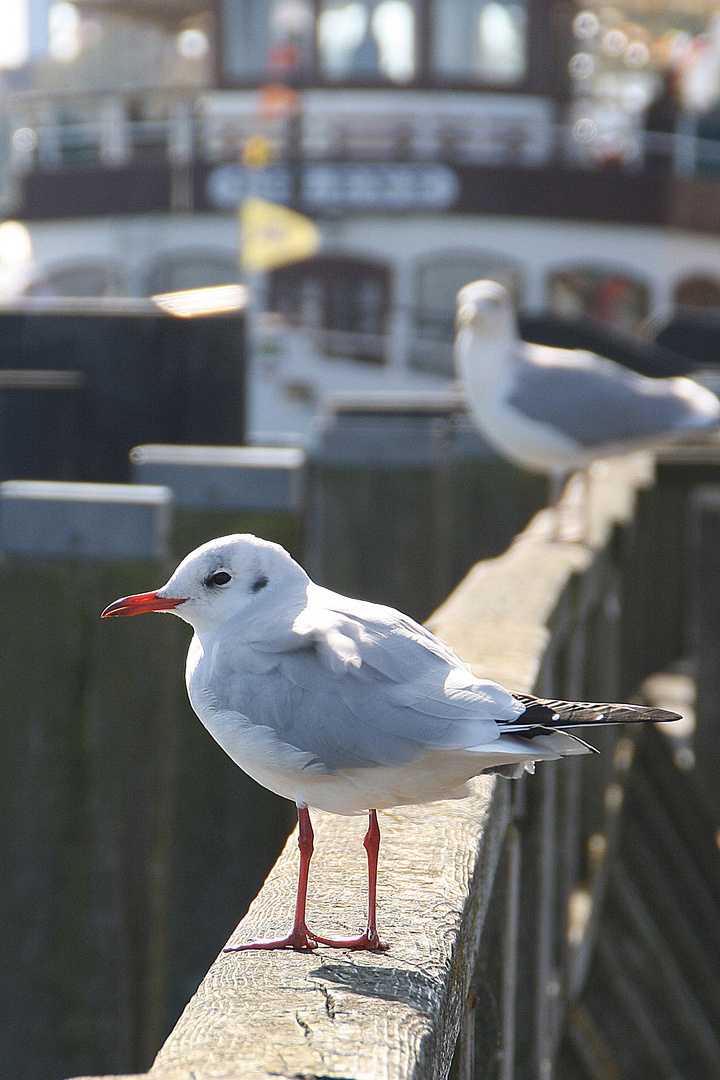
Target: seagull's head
(232, 577)
(485, 308)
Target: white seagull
(556, 410)
(345, 705)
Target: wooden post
(129, 841)
(704, 569)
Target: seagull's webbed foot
(368, 942)
(300, 938)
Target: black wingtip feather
(565, 714)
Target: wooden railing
(491, 906)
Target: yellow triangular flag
(272, 235)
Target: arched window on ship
(343, 300)
(437, 280)
(612, 297)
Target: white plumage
(341, 704)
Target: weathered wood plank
(318, 1015)
(293, 1014)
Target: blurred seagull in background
(556, 411)
(345, 705)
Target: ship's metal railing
(48, 130)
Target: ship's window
(189, 269)
(480, 41)
(267, 38)
(698, 291)
(345, 299)
(437, 281)
(364, 40)
(396, 42)
(613, 298)
(82, 278)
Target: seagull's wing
(596, 402)
(366, 686)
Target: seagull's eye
(221, 577)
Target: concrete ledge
(43, 379)
(73, 520)
(415, 429)
(225, 477)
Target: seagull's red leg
(302, 938)
(299, 937)
(369, 940)
(372, 846)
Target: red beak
(146, 601)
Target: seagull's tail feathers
(548, 713)
(545, 744)
(517, 752)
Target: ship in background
(571, 151)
